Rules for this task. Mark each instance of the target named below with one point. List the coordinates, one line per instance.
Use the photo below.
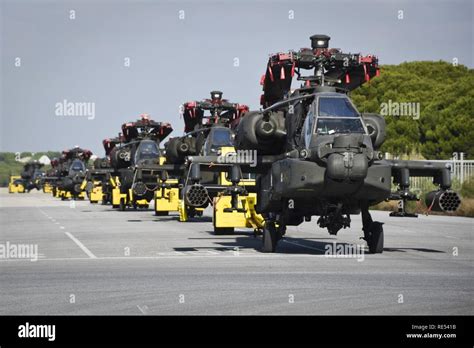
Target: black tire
(161, 213)
(270, 237)
(115, 206)
(375, 241)
(191, 212)
(122, 205)
(219, 231)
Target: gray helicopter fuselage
(337, 163)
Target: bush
(445, 94)
(467, 189)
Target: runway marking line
(143, 310)
(212, 252)
(80, 245)
(176, 257)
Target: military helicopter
(139, 146)
(207, 127)
(49, 181)
(71, 171)
(99, 180)
(31, 175)
(207, 131)
(317, 155)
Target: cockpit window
(222, 137)
(336, 107)
(147, 149)
(328, 126)
(218, 137)
(76, 167)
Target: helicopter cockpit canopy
(337, 115)
(147, 150)
(330, 114)
(218, 137)
(77, 166)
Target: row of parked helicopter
(307, 152)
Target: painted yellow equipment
(122, 200)
(186, 212)
(94, 191)
(167, 198)
(16, 185)
(225, 220)
(116, 195)
(96, 194)
(65, 195)
(47, 188)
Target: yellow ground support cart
(47, 188)
(225, 219)
(228, 215)
(93, 190)
(167, 197)
(16, 185)
(123, 200)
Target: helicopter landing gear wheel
(270, 237)
(373, 230)
(122, 204)
(375, 238)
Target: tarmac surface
(92, 259)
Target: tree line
(444, 96)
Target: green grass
(9, 166)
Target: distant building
(44, 160)
(25, 159)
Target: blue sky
(175, 59)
